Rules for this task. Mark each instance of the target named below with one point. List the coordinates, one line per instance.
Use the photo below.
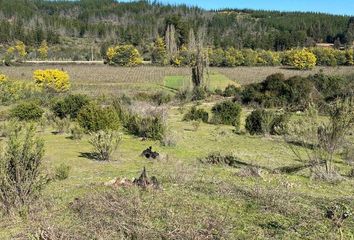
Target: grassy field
(222, 201)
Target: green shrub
(265, 122)
(151, 127)
(183, 95)
(199, 93)
(104, 144)
(231, 91)
(28, 111)
(330, 87)
(21, 176)
(161, 98)
(76, 132)
(62, 172)
(228, 113)
(219, 92)
(94, 118)
(61, 125)
(217, 159)
(147, 127)
(69, 106)
(196, 114)
(275, 91)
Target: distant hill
(140, 22)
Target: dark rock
(148, 153)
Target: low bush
(62, 172)
(169, 139)
(104, 144)
(21, 176)
(28, 111)
(199, 93)
(69, 106)
(266, 122)
(330, 87)
(231, 91)
(76, 132)
(228, 113)
(275, 91)
(3, 78)
(150, 126)
(161, 98)
(183, 95)
(196, 114)
(217, 159)
(94, 118)
(61, 125)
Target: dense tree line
(141, 22)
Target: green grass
(247, 200)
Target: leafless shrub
(321, 141)
(130, 214)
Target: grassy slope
(212, 186)
(273, 198)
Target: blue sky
(343, 7)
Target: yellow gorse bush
(3, 78)
(43, 50)
(302, 59)
(11, 91)
(124, 55)
(53, 79)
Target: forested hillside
(139, 23)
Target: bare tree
(170, 40)
(199, 63)
(192, 45)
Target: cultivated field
(100, 79)
(197, 200)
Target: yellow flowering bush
(301, 59)
(124, 55)
(43, 50)
(3, 78)
(54, 79)
(16, 52)
(12, 91)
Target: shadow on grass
(292, 168)
(302, 144)
(90, 155)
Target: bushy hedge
(28, 111)
(305, 58)
(275, 91)
(266, 122)
(69, 106)
(228, 113)
(231, 91)
(94, 118)
(246, 57)
(196, 114)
